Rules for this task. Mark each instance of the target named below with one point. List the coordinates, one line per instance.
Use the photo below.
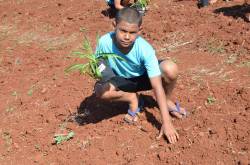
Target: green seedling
(62, 137)
(210, 100)
(91, 66)
(141, 3)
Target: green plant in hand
(93, 59)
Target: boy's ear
(114, 24)
(140, 29)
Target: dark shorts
(135, 84)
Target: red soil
(37, 100)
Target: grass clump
(210, 100)
(59, 138)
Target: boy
(118, 4)
(138, 70)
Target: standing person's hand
(169, 131)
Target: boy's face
(126, 33)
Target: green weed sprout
(61, 138)
(210, 100)
(141, 3)
(91, 66)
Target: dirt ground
(38, 100)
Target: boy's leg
(169, 78)
(108, 91)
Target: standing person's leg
(125, 3)
(247, 15)
(169, 78)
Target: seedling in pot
(92, 67)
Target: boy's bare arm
(118, 5)
(167, 127)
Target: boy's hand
(169, 131)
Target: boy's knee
(169, 70)
(100, 89)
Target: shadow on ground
(94, 110)
(109, 12)
(238, 11)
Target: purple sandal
(178, 110)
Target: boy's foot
(177, 111)
(132, 117)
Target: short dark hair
(129, 15)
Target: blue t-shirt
(139, 60)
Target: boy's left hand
(170, 132)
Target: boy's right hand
(169, 131)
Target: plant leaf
(74, 67)
(93, 69)
(87, 45)
(97, 38)
(70, 135)
(110, 55)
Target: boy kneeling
(139, 71)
